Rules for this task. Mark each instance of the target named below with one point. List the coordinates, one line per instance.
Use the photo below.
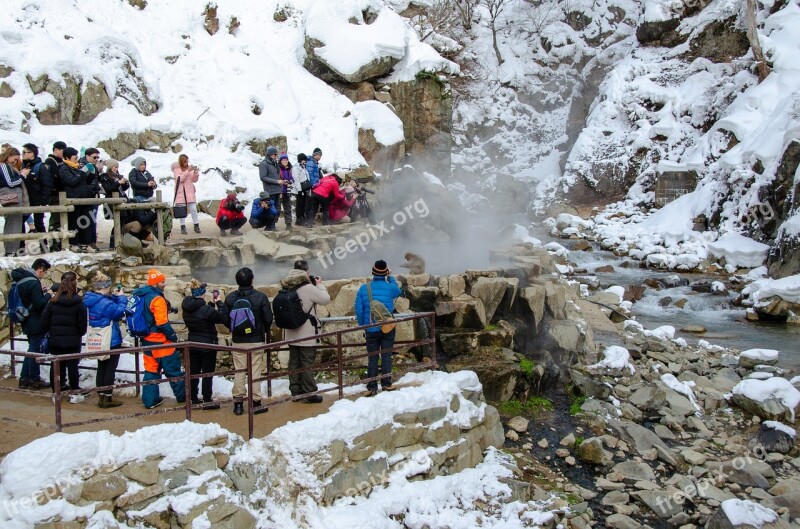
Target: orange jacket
(158, 308)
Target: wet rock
(665, 301)
(769, 439)
(698, 329)
(634, 292)
(681, 303)
(607, 269)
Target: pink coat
(188, 177)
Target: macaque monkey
(414, 263)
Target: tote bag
(179, 211)
(99, 339)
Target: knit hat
(263, 195)
(316, 150)
(198, 288)
(155, 277)
(283, 156)
(139, 160)
(302, 158)
(380, 268)
(111, 162)
(272, 150)
(101, 281)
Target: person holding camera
(185, 177)
(200, 318)
(230, 215)
(263, 214)
(142, 182)
(113, 182)
(270, 174)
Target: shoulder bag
(179, 211)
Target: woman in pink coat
(185, 177)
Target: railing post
(187, 385)
(117, 221)
(55, 366)
(250, 394)
(434, 356)
(159, 220)
(340, 363)
(268, 352)
(11, 341)
(137, 368)
(62, 201)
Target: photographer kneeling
(264, 213)
(230, 215)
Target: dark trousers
(68, 369)
(83, 222)
(38, 222)
(283, 202)
(54, 223)
(317, 202)
(300, 206)
(299, 358)
(202, 361)
(106, 371)
(30, 369)
(377, 341)
(226, 224)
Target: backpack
(242, 319)
(17, 312)
(379, 313)
(287, 308)
(136, 316)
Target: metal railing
(339, 365)
(67, 205)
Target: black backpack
(287, 308)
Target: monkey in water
(414, 263)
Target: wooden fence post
(62, 201)
(159, 220)
(117, 222)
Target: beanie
(283, 156)
(111, 162)
(198, 288)
(138, 161)
(272, 150)
(155, 277)
(316, 150)
(263, 195)
(380, 268)
(302, 158)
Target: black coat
(139, 182)
(54, 164)
(200, 318)
(31, 296)
(111, 185)
(259, 304)
(75, 182)
(39, 184)
(67, 321)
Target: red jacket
(328, 185)
(339, 209)
(232, 214)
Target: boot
(107, 401)
(222, 232)
(197, 228)
(256, 404)
(238, 408)
(183, 230)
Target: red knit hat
(155, 277)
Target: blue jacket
(384, 290)
(105, 310)
(261, 213)
(313, 171)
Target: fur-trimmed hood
(296, 278)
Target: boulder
(648, 398)
(662, 503)
(492, 290)
(774, 399)
(519, 424)
(453, 286)
(569, 337)
(642, 440)
(556, 297)
(770, 438)
(742, 514)
(534, 297)
(461, 313)
(589, 386)
(344, 302)
(591, 451)
(634, 471)
(790, 500)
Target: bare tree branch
(762, 67)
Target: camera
(215, 293)
(238, 206)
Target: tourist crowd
(58, 320)
(26, 179)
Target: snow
(375, 116)
(739, 251)
(775, 425)
(684, 388)
(615, 358)
(787, 288)
(774, 388)
(764, 355)
(618, 290)
(745, 512)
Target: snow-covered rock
(774, 398)
(753, 357)
(739, 251)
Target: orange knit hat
(155, 277)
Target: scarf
(72, 164)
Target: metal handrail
(268, 349)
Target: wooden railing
(67, 205)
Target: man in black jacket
(39, 182)
(246, 303)
(33, 297)
(200, 319)
(54, 163)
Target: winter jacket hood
(295, 278)
(310, 296)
